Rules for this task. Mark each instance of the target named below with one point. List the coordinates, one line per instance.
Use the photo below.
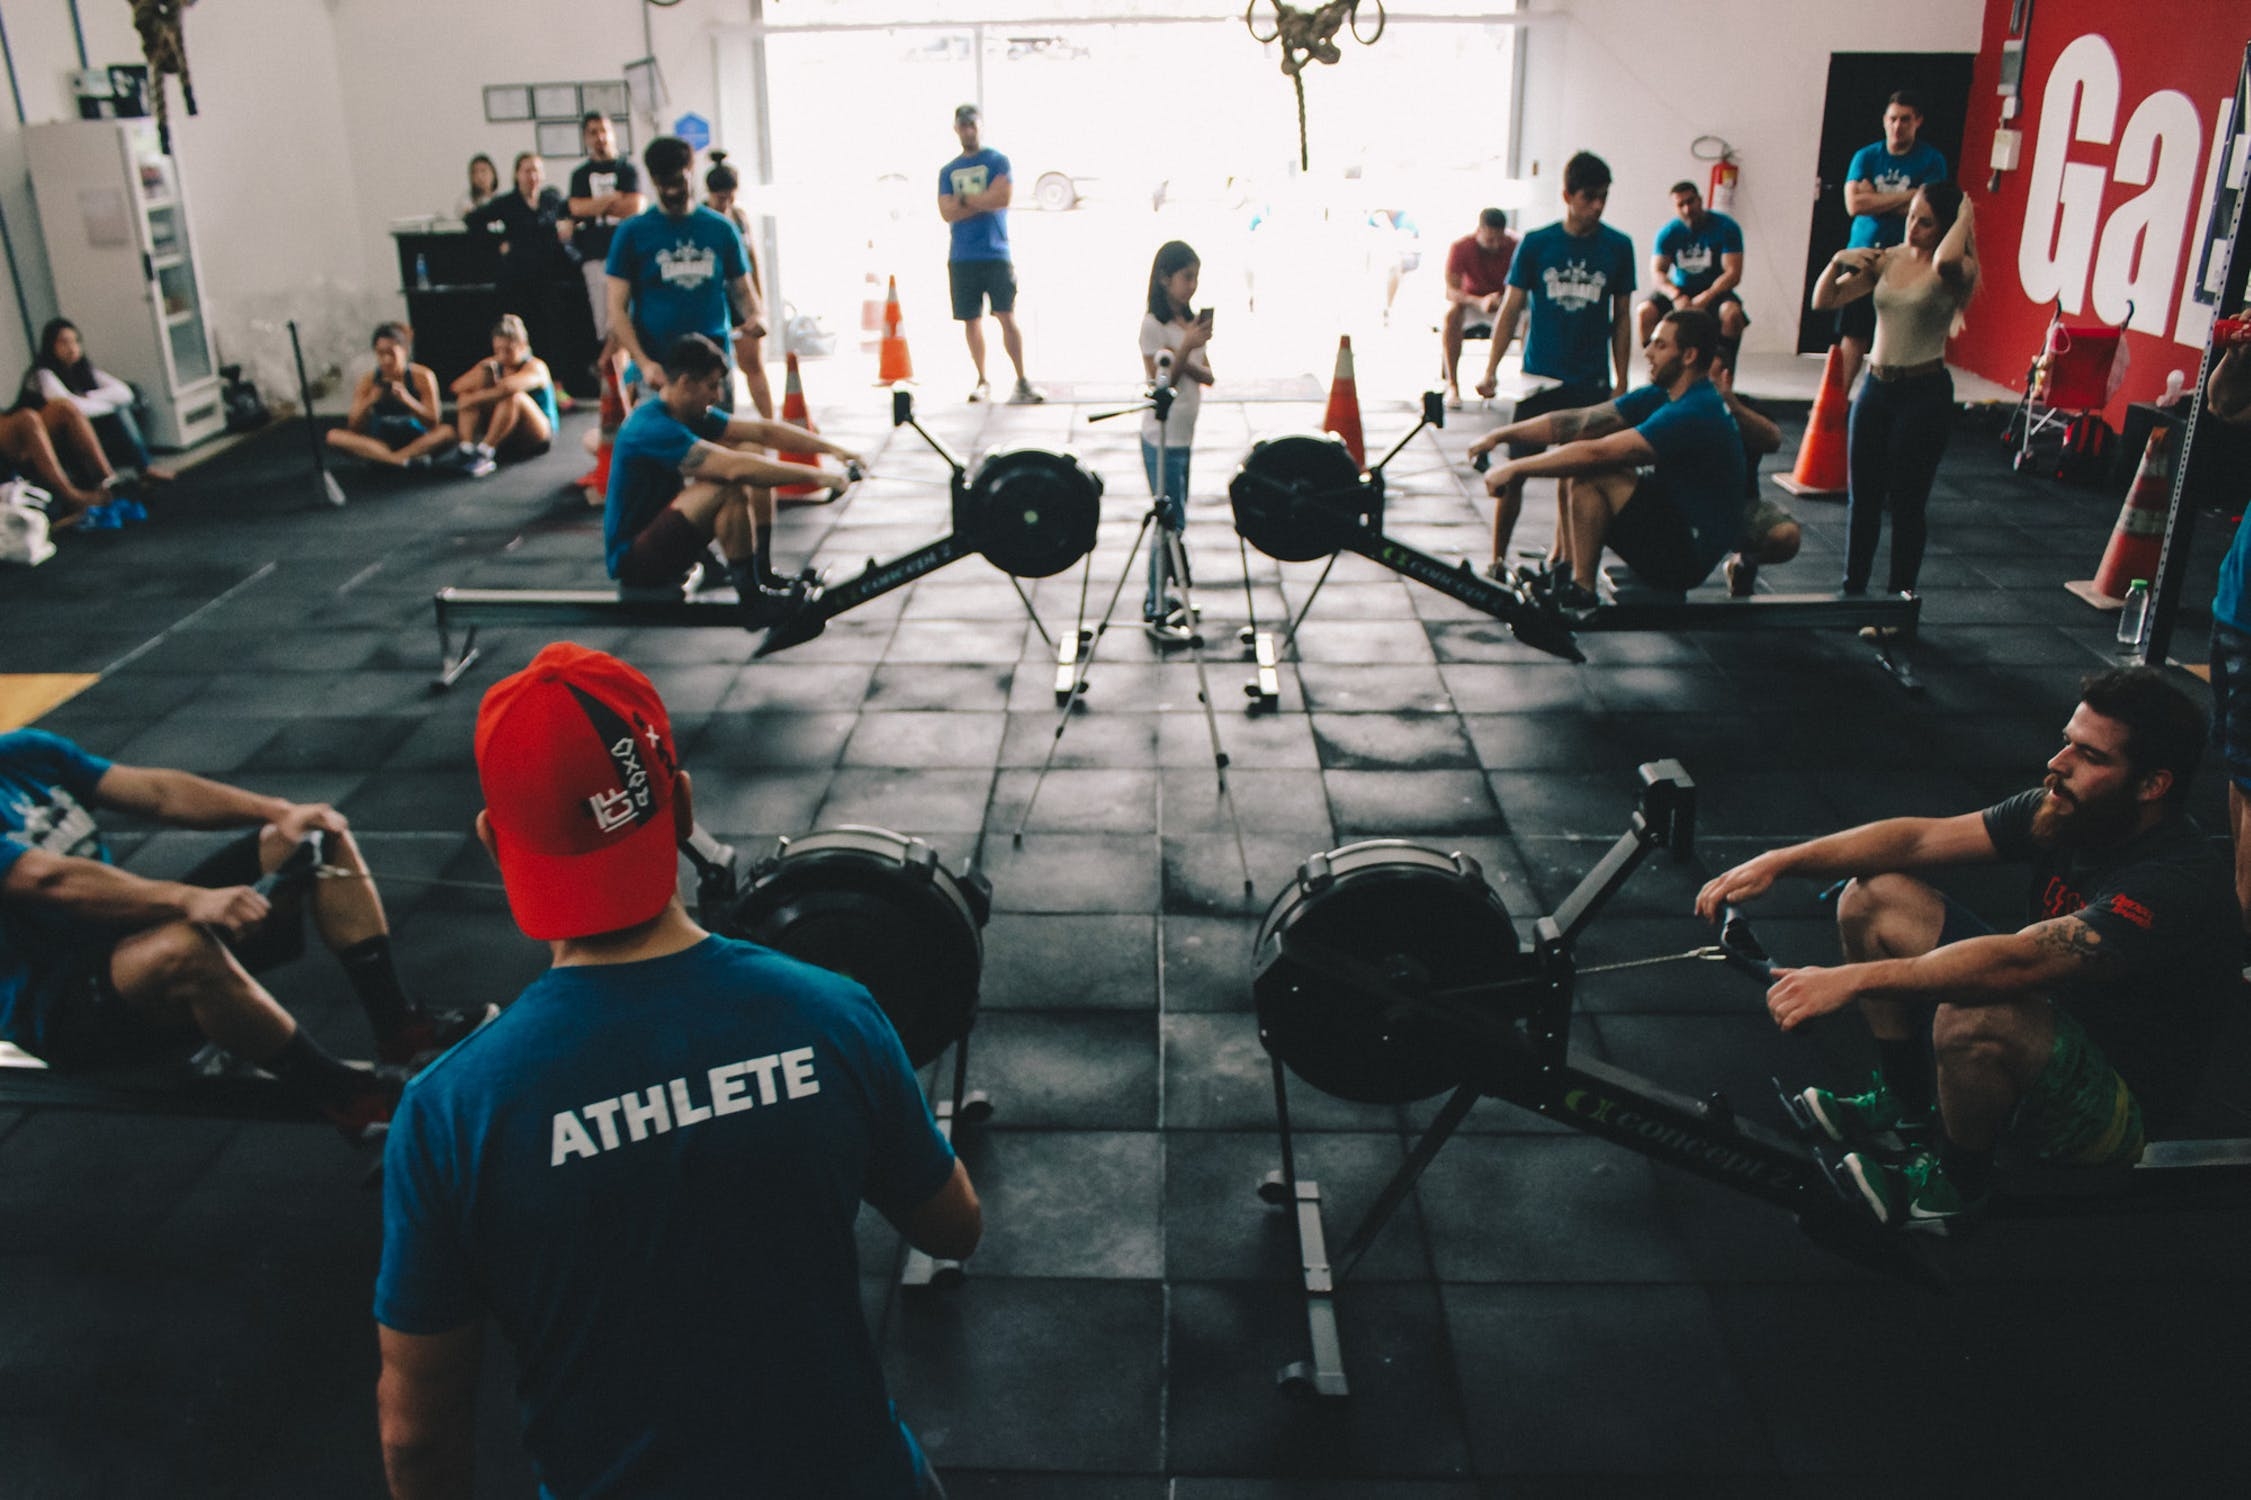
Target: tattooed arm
(1986, 970)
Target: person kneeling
(1657, 475)
(674, 487)
(99, 966)
(2059, 1040)
(504, 407)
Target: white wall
(1635, 81)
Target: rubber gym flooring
(184, 1303)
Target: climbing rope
(1309, 36)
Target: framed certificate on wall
(555, 101)
(507, 101)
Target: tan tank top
(1913, 317)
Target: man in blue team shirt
(675, 485)
(646, 1171)
(101, 966)
(677, 268)
(1698, 263)
(1658, 473)
(1577, 278)
(2227, 396)
(974, 190)
(1879, 185)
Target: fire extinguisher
(1720, 196)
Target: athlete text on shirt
(637, 1115)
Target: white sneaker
(1026, 394)
(980, 392)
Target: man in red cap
(647, 1169)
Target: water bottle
(422, 273)
(2133, 620)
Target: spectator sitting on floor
(62, 372)
(509, 399)
(29, 442)
(395, 419)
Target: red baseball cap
(576, 757)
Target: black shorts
(1651, 535)
(1554, 398)
(974, 282)
(662, 552)
(2231, 701)
(1857, 320)
(1662, 300)
(88, 1023)
(394, 432)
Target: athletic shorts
(1662, 300)
(597, 276)
(974, 282)
(1857, 320)
(1652, 536)
(1760, 516)
(88, 1023)
(662, 552)
(1554, 398)
(394, 432)
(2231, 700)
(2079, 1112)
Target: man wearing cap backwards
(646, 1170)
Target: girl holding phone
(1173, 339)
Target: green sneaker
(1875, 1118)
(1915, 1195)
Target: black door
(1860, 84)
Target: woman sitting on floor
(62, 372)
(29, 443)
(395, 420)
(509, 398)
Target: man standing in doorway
(1879, 185)
(973, 194)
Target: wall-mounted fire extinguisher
(1720, 196)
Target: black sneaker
(1567, 594)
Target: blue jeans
(1170, 490)
(121, 439)
(1893, 441)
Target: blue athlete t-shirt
(1571, 281)
(647, 1174)
(1695, 253)
(2229, 604)
(645, 470)
(46, 784)
(980, 236)
(1876, 166)
(1699, 461)
(679, 270)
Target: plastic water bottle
(2133, 620)
(422, 273)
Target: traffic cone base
(1343, 414)
(797, 414)
(893, 364)
(2139, 537)
(1820, 469)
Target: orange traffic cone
(2140, 533)
(1343, 414)
(871, 307)
(794, 412)
(893, 364)
(596, 483)
(1820, 469)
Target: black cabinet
(452, 283)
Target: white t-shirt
(1180, 428)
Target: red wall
(2115, 178)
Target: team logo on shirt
(687, 266)
(2134, 912)
(968, 180)
(1693, 259)
(2060, 900)
(60, 825)
(1572, 286)
(1893, 180)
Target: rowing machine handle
(1742, 946)
(302, 860)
